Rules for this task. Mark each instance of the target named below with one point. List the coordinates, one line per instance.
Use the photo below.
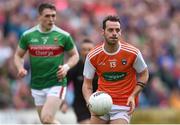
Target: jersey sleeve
(139, 64)
(89, 69)
(23, 42)
(69, 43)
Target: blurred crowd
(153, 26)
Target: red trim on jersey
(61, 92)
(45, 50)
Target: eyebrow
(47, 15)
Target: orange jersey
(116, 72)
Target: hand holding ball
(100, 103)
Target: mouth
(114, 38)
(50, 24)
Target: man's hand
(62, 71)
(21, 73)
(131, 103)
(64, 107)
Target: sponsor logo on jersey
(33, 40)
(102, 64)
(114, 76)
(45, 51)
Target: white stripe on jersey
(95, 53)
(130, 47)
(125, 49)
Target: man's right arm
(19, 62)
(88, 73)
(87, 89)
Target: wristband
(142, 84)
(66, 67)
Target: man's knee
(47, 118)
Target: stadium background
(151, 25)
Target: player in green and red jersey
(46, 44)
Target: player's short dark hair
(110, 18)
(46, 6)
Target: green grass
(156, 116)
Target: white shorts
(116, 113)
(40, 95)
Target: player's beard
(111, 41)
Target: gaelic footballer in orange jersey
(116, 71)
(122, 73)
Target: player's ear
(39, 17)
(120, 32)
(102, 32)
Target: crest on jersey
(45, 39)
(124, 61)
(55, 40)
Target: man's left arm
(141, 83)
(71, 62)
(143, 75)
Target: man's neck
(111, 48)
(43, 29)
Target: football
(100, 103)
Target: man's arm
(73, 57)
(87, 89)
(19, 62)
(71, 62)
(89, 72)
(142, 80)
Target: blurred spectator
(175, 99)
(22, 96)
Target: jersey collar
(114, 52)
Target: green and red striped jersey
(46, 52)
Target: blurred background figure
(75, 76)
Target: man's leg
(49, 110)
(119, 115)
(39, 108)
(119, 121)
(47, 102)
(86, 121)
(96, 120)
(39, 100)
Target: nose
(51, 18)
(114, 33)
